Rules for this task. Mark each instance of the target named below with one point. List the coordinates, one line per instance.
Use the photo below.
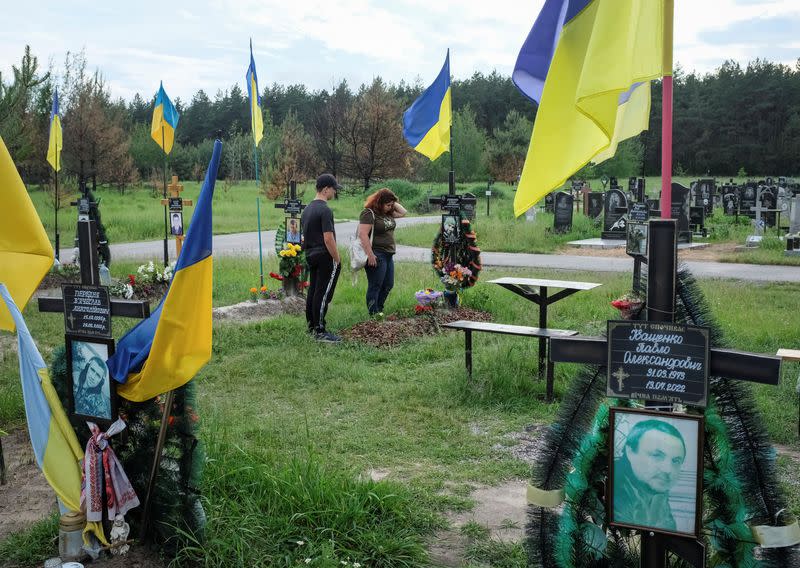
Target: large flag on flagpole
(588, 64)
(426, 123)
(56, 144)
(256, 116)
(165, 121)
(166, 350)
(25, 251)
(58, 453)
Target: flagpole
(58, 238)
(166, 221)
(260, 250)
(666, 113)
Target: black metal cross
(90, 275)
(453, 203)
(727, 363)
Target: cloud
(316, 42)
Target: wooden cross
(175, 190)
(726, 363)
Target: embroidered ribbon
(101, 462)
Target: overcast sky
(203, 44)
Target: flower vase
(291, 286)
(451, 299)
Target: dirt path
(26, 497)
(713, 252)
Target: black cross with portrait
(661, 263)
(292, 208)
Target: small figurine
(119, 534)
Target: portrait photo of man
(654, 471)
(293, 231)
(176, 223)
(91, 381)
(450, 228)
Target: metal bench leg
(549, 395)
(468, 351)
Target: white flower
(300, 543)
(356, 565)
(308, 561)
(128, 291)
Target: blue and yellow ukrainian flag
(426, 123)
(165, 121)
(256, 116)
(25, 251)
(166, 350)
(588, 64)
(55, 445)
(55, 145)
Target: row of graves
(622, 214)
(658, 456)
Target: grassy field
(137, 215)
(293, 426)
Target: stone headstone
(794, 216)
(769, 201)
(615, 207)
(614, 183)
(748, 199)
(654, 207)
(562, 217)
(729, 203)
(530, 214)
(697, 220)
(548, 203)
(595, 205)
(680, 211)
(637, 229)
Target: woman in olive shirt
(378, 218)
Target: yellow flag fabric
(182, 341)
(25, 251)
(55, 143)
(591, 100)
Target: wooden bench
(505, 329)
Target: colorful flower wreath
(464, 254)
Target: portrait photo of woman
(91, 382)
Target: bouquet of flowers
(629, 305)
(455, 277)
(427, 297)
(292, 262)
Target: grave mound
(395, 330)
(246, 312)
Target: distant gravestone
(548, 203)
(748, 199)
(615, 208)
(697, 220)
(680, 211)
(729, 203)
(654, 207)
(595, 205)
(562, 218)
(614, 183)
(637, 229)
(530, 214)
(769, 201)
(707, 189)
(794, 216)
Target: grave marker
(593, 206)
(562, 218)
(637, 230)
(292, 208)
(175, 204)
(680, 212)
(615, 208)
(723, 363)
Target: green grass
(292, 426)
(32, 546)
(138, 214)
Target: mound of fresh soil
(245, 312)
(393, 331)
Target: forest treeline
(736, 119)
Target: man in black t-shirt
(322, 257)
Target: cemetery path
(246, 244)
